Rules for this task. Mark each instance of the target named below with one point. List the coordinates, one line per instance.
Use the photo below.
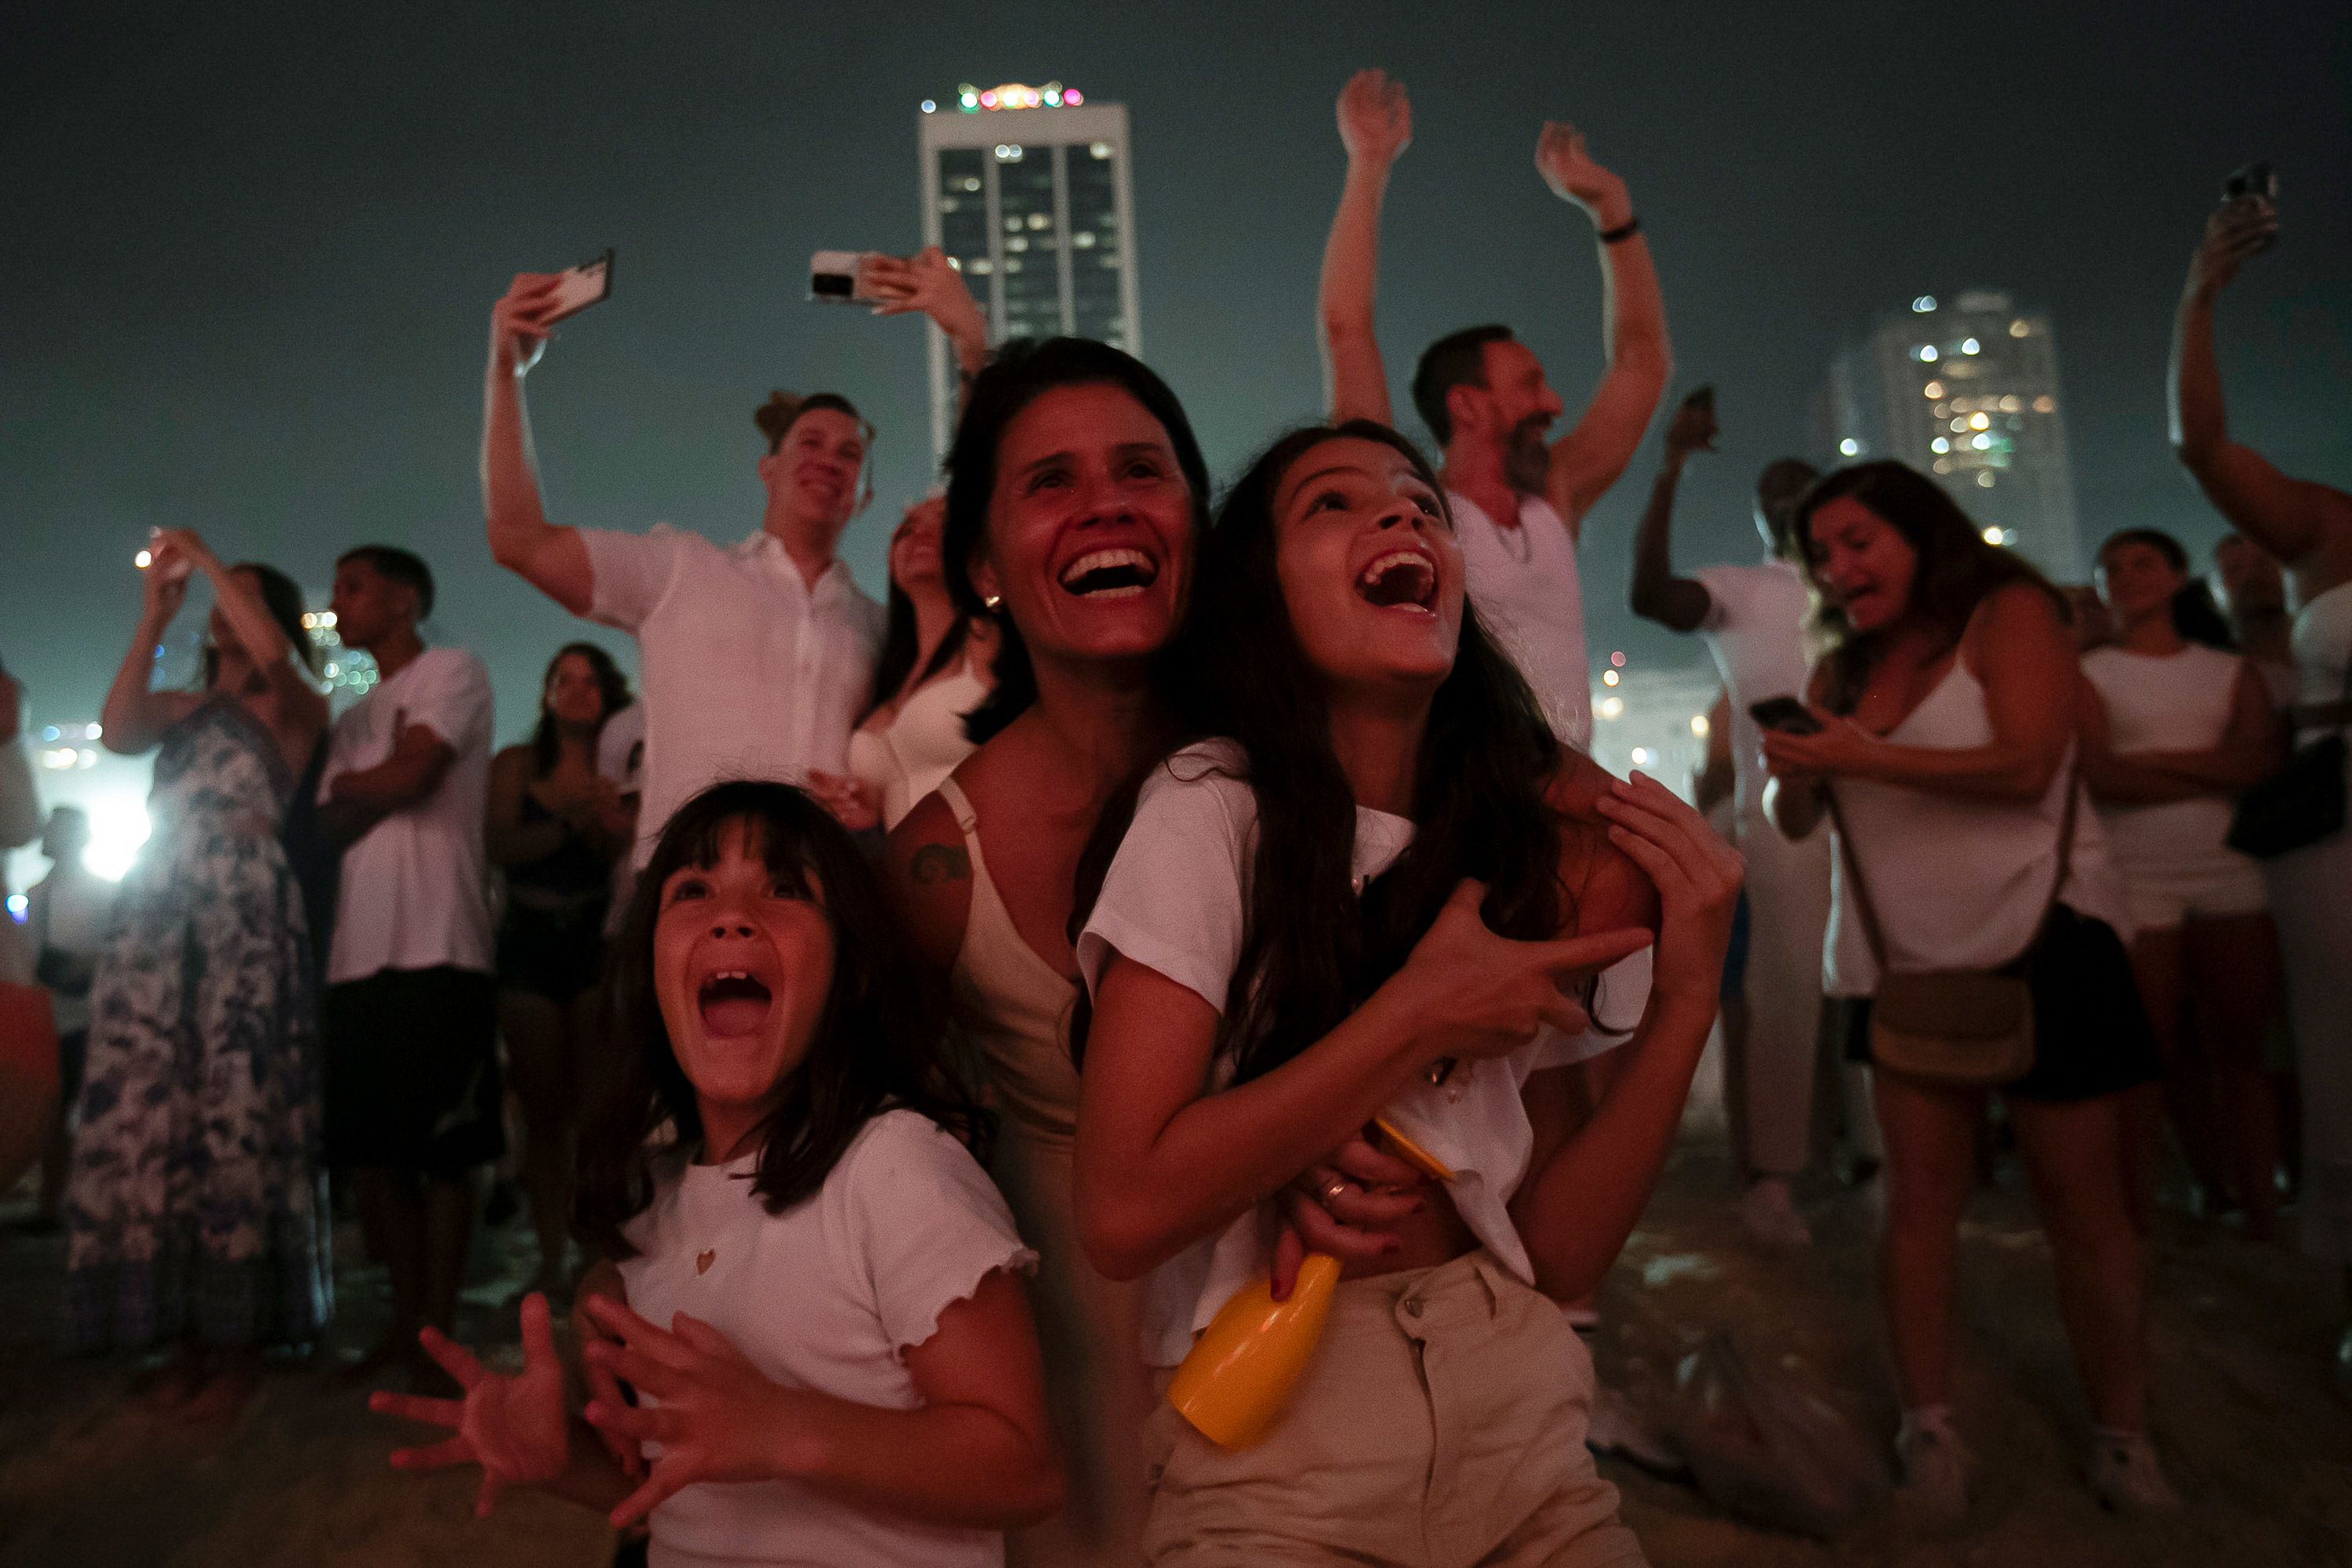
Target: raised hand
(162, 585)
(2237, 232)
(1693, 428)
(927, 282)
(519, 324)
(1568, 167)
(719, 1419)
(513, 1427)
(1698, 876)
(1480, 995)
(1375, 118)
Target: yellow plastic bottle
(1240, 1371)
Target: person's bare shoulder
(927, 870)
(1607, 891)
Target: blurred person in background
(194, 1207)
(2306, 528)
(66, 918)
(556, 825)
(937, 665)
(2174, 731)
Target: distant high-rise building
(1027, 189)
(1967, 391)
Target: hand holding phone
(1785, 714)
(2250, 195)
(577, 288)
(1693, 427)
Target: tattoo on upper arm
(935, 863)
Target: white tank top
(1524, 582)
(921, 745)
(2323, 644)
(1957, 881)
(2177, 702)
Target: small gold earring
(991, 603)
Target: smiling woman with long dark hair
(1947, 712)
(1368, 905)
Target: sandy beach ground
(2252, 1429)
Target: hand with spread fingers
(603, 1282)
(1480, 995)
(1698, 876)
(1569, 168)
(1375, 119)
(716, 1415)
(513, 1425)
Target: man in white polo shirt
(755, 659)
(1519, 499)
(410, 1014)
(1753, 618)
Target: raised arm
(2307, 526)
(135, 715)
(1587, 460)
(1680, 604)
(257, 631)
(1375, 127)
(928, 284)
(552, 559)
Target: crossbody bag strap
(1869, 911)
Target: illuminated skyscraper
(1967, 391)
(1027, 188)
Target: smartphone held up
(2250, 194)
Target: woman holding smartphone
(1946, 708)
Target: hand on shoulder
(1610, 891)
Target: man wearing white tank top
(1519, 499)
(1753, 618)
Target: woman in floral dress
(195, 1210)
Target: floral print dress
(196, 1210)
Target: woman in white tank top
(2173, 731)
(935, 667)
(1947, 709)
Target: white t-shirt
(71, 910)
(415, 893)
(746, 673)
(1176, 900)
(1755, 626)
(621, 757)
(1524, 582)
(828, 1295)
(2182, 703)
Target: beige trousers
(1441, 1424)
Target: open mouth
(1109, 575)
(733, 1004)
(1401, 579)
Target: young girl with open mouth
(834, 1267)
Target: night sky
(250, 249)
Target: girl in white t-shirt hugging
(781, 1166)
(1285, 945)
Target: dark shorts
(2091, 1033)
(1735, 957)
(550, 953)
(413, 1071)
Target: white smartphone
(838, 277)
(577, 288)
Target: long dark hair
(1957, 569)
(879, 1045)
(283, 600)
(610, 682)
(1311, 951)
(1019, 376)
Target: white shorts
(2174, 892)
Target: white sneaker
(2125, 1475)
(1768, 1212)
(1935, 1465)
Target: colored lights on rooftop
(970, 100)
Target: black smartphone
(2253, 190)
(1704, 398)
(1785, 714)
